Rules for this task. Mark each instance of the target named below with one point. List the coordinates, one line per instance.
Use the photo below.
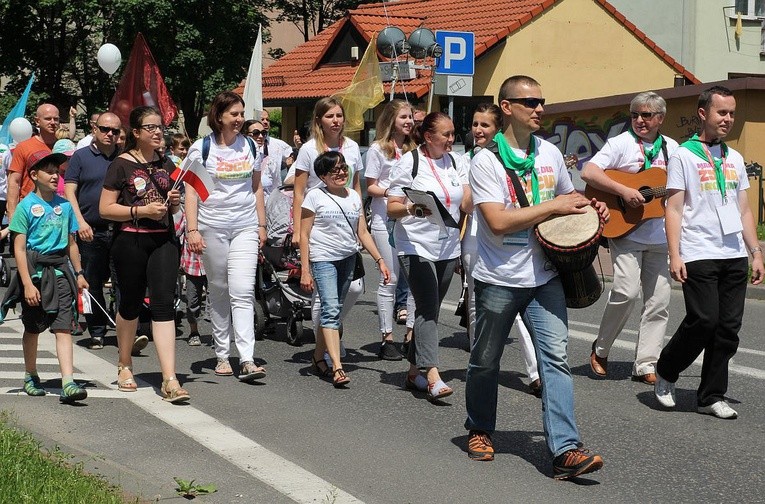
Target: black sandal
(340, 379)
(318, 370)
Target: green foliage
(189, 490)
(761, 232)
(30, 474)
(275, 123)
(313, 16)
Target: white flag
(253, 88)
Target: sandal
(176, 395)
(317, 367)
(438, 390)
(127, 384)
(416, 382)
(340, 379)
(223, 368)
(401, 315)
(249, 372)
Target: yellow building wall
(576, 50)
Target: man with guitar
(629, 174)
(710, 232)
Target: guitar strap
(520, 192)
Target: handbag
(358, 268)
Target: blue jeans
(544, 309)
(332, 280)
(96, 257)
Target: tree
(201, 47)
(313, 16)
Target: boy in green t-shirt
(43, 227)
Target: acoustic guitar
(651, 183)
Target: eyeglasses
(644, 115)
(256, 133)
(528, 102)
(341, 168)
(107, 129)
(151, 128)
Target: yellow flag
(365, 90)
(739, 27)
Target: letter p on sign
(454, 50)
(458, 57)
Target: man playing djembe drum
(640, 258)
(511, 276)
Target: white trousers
(469, 258)
(637, 268)
(386, 294)
(231, 260)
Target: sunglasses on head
(256, 133)
(107, 129)
(528, 102)
(644, 115)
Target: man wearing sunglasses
(511, 277)
(84, 180)
(640, 258)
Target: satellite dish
(391, 42)
(423, 44)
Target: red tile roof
(296, 75)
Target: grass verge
(31, 473)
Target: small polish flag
(196, 175)
(83, 302)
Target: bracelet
(262, 226)
(191, 231)
(385, 193)
(378, 260)
(133, 213)
(755, 249)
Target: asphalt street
(294, 438)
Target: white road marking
(279, 473)
(44, 361)
(54, 392)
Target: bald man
(19, 182)
(84, 181)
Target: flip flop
(438, 390)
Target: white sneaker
(720, 409)
(664, 391)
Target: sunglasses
(107, 129)
(531, 103)
(644, 115)
(256, 133)
(151, 128)
(341, 168)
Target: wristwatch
(81, 272)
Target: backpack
(206, 148)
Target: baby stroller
(277, 289)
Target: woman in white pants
(394, 127)
(487, 121)
(228, 228)
(327, 127)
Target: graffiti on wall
(583, 137)
(687, 126)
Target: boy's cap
(62, 151)
(64, 146)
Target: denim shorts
(332, 280)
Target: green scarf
(650, 154)
(520, 166)
(695, 145)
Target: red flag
(196, 175)
(142, 84)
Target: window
(749, 8)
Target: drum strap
(520, 192)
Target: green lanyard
(651, 153)
(696, 146)
(521, 166)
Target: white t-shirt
(5, 162)
(271, 170)
(278, 148)
(517, 259)
(308, 154)
(624, 153)
(85, 141)
(332, 238)
(417, 235)
(701, 235)
(232, 202)
(378, 167)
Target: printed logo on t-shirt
(233, 170)
(37, 210)
(709, 181)
(546, 178)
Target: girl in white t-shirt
(326, 136)
(332, 225)
(228, 227)
(392, 140)
(428, 252)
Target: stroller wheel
(294, 331)
(261, 320)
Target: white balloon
(20, 129)
(109, 58)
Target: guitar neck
(656, 192)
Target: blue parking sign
(459, 53)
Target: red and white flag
(196, 175)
